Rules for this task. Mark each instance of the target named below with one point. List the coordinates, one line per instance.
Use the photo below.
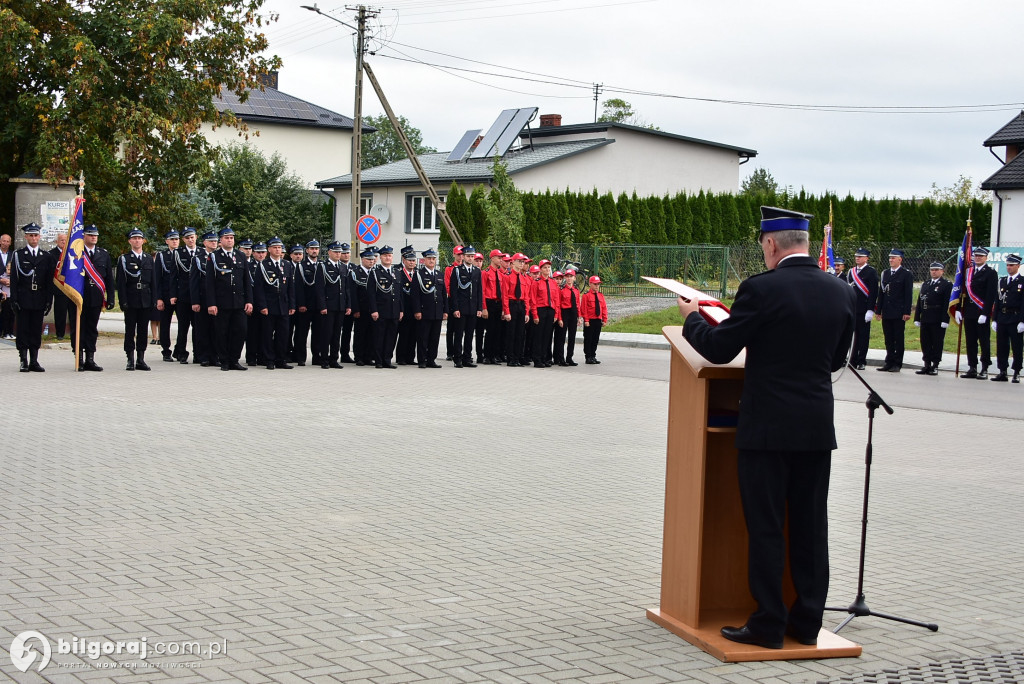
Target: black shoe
(933, 371)
(300, 363)
(334, 364)
(859, 366)
(167, 358)
(468, 364)
(804, 640)
(204, 364)
(971, 373)
(983, 374)
(23, 368)
(130, 365)
(488, 362)
(183, 360)
(884, 369)
(36, 368)
(458, 364)
(433, 365)
(591, 361)
(1002, 377)
(285, 366)
(927, 370)
(422, 364)
(90, 365)
(743, 635)
(596, 360)
(571, 363)
(537, 364)
(512, 364)
(225, 366)
(234, 365)
(142, 365)
(346, 359)
(1016, 378)
(895, 369)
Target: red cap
(506, 257)
(519, 256)
(496, 252)
(457, 250)
(535, 269)
(594, 280)
(544, 262)
(477, 256)
(558, 274)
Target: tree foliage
(118, 90)
(617, 110)
(459, 211)
(961, 193)
(759, 182)
(384, 145)
(504, 210)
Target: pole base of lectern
(709, 638)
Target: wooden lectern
(704, 555)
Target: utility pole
(598, 89)
(357, 130)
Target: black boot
(90, 363)
(971, 373)
(33, 364)
(23, 355)
(924, 371)
(1001, 377)
(984, 373)
(1016, 377)
(130, 366)
(141, 364)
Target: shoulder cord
(458, 280)
(388, 289)
(423, 288)
(266, 279)
(302, 273)
(17, 265)
(124, 268)
(181, 265)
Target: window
(365, 202)
(421, 216)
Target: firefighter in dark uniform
(864, 280)
(181, 293)
(96, 295)
(229, 300)
(981, 289)
(254, 326)
(840, 265)
(932, 316)
(245, 246)
(296, 256)
(1009, 320)
(332, 287)
(305, 295)
(136, 292)
(163, 285)
(895, 297)
(203, 350)
(405, 352)
(346, 326)
(31, 296)
(429, 307)
(385, 305)
(63, 308)
(362, 342)
(465, 306)
(274, 293)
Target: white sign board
(56, 219)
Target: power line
(523, 14)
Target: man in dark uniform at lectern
(796, 322)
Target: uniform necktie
(519, 286)
(572, 293)
(497, 284)
(597, 306)
(547, 288)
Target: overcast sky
(897, 53)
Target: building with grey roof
(1007, 184)
(608, 157)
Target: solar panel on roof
(511, 132)
(465, 142)
(492, 134)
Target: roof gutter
(992, 152)
(999, 218)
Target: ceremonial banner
(826, 259)
(963, 272)
(69, 275)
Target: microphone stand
(859, 608)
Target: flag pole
(78, 313)
(963, 291)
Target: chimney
(476, 142)
(550, 120)
(269, 79)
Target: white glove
(982, 320)
(868, 315)
(917, 324)
(959, 318)
(944, 325)
(993, 326)
(1020, 328)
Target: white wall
(1012, 231)
(393, 232)
(312, 153)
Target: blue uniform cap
(938, 265)
(31, 229)
(275, 241)
(839, 260)
(1013, 259)
(226, 231)
(346, 248)
(171, 234)
(313, 243)
(188, 231)
(135, 232)
(209, 235)
(386, 249)
(896, 252)
(368, 253)
(429, 252)
(980, 251)
(247, 242)
(90, 229)
(774, 219)
(334, 246)
(469, 249)
(259, 247)
(863, 251)
(297, 248)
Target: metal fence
(714, 269)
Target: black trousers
(90, 328)
(515, 330)
(62, 310)
(894, 330)
(449, 338)
(301, 321)
(346, 335)
(464, 329)
(253, 339)
(385, 333)
(933, 335)
(276, 342)
(165, 328)
(542, 335)
(530, 331)
(405, 352)
(494, 345)
(230, 327)
(30, 329)
(428, 338)
(363, 339)
(202, 338)
(565, 336)
(6, 317)
(1008, 338)
(136, 330)
(861, 337)
(772, 485)
(183, 310)
(330, 336)
(591, 338)
(978, 336)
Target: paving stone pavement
(360, 526)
